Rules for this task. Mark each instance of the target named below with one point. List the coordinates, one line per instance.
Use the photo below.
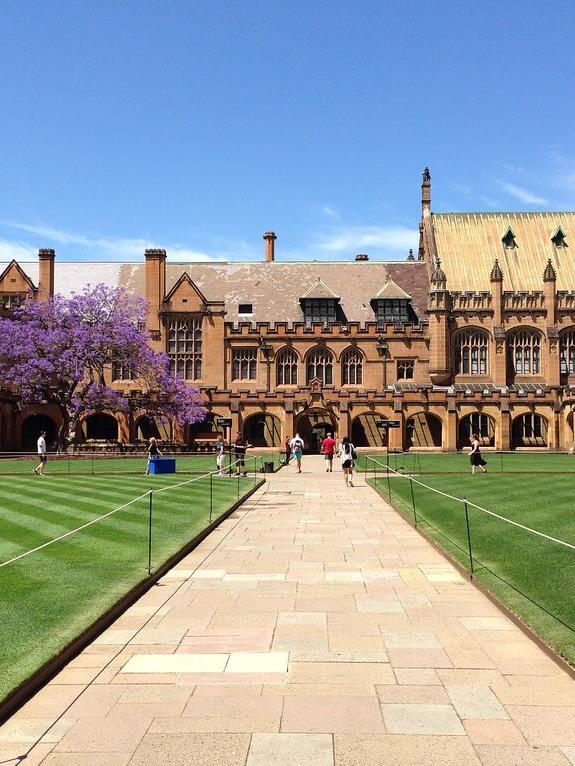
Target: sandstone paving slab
(421, 719)
(476, 702)
(86, 759)
(103, 735)
(291, 750)
(340, 672)
(517, 755)
(14, 753)
(50, 702)
(495, 732)
(418, 676)
(192, 750)
(96, 701)
(224, 724)
(411, 695)
(545, 725)
(30, 730)
(227, 689)
(403, 750)
(331, 714)
(176, 663)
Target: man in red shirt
(327, 449)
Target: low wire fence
(530, 570)
(65, 559)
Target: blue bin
(163, 465)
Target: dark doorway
(313, 427)
(101, 427)
(262, 430)
(31, 429)
(423, 430)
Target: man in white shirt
(297, 445)
(39, 470)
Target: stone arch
(100, 426)
(423, 430)
(262, 430)
(476, 422)
(204, 430)
(146, 427)
(365, 432)
(530, 429)
(313, 425)
(31, 428)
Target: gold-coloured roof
(469, 243)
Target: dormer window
(558, 237)
(319, 304)
(508, 239)
(392, 305)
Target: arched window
(320, 366)
(524, 352)
(471, 353)
(568, 353)
(286, 368)
(352, 368)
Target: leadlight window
(185, 347)
(352, 368)
(524, 352)
(11, 300)
(286, 368)
(405, 369)
(320, 366)
(244, 363)
(471, 353)
(393, 311)
(529, 426)
(123, 371)
(568, 353)
(319, 310)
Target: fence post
(388, 483)
(92, 460)
(239, 474)
(150, 504)
(468, 536)
(365, 467)
(211, 496)
(256, 472)
(413, 499)
(501, 453)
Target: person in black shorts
(153, 451)
(240, 447)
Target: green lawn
(531, 575)
(51, 596)
(72, 465)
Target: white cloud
(18, 251)
(108, 248)
(331, 212)
(523, 195)
(355, 239)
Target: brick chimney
(155, 286)
(270, 238)
(46, 273)
(362, 257)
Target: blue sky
(198, 126)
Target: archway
(101, 427)
(146, 428)
(423, 430)
(366, 433)
(476, 423)
(262, 430)
(205, 430)
(313, 426)
(33, 426)
(529, 430)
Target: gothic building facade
(474, 333)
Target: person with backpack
(347, 455)
(296, 445)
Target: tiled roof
(273, 288)
(392, 290)
(319, 290)
(469, 243)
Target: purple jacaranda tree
(60, 352)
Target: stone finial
(438, 278)
(426, 175)
(410, 255)
(496, 273)
(549, 275)
(426, 194)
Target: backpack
(353, 452)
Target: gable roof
(14, 264)
(469, 243)
(319, 291)
(392, 290)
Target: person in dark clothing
(240, 447)
(475, 457)
(153, 452)
(287, 448)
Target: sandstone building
(475, 332)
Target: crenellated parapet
(335, 329)
(476, 302)
(523, 300)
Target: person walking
(240, 447)
(220, 456)
(475, 457)
(296, 445)
(153, 452)
(287, 449)
(41, 444)
(327, 450)
(347, 456)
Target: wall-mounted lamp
(381, 346)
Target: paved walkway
(313, 628)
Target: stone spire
(549, 274)
(496, 273)
(426, 194)
(438, 278)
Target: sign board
(387, 423)
(224, 422)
